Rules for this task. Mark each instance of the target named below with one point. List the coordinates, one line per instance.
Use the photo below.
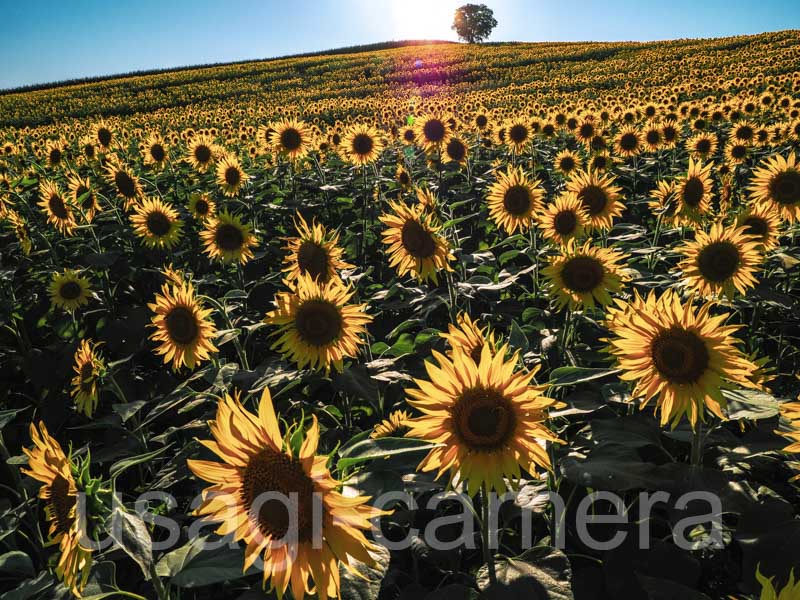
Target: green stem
(697, 445)
(488, 556)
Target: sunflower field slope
(553, 270)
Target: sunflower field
(499, 321)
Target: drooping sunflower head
(227, 239)
(156, 223)
(202, 206)
(291, 138)
(413, 242)
(598, 195)
(261, 478)
(432, 131)
(514, 200)
(314, 252)
(230, 175)
(487, 418)
(69, 290)
(395, 425)
(183, 328)
(403, 177)
(427, 199)
(54, 204)
(564, 220)
(583, 276)
(362, 145)
(83, 196)
(721, 262)
(679, 354)
(48, 464)
(125, 183)
(763, 222)
(470, 336)
(317, 326)
(202, 152)
(88, 368)
(776, 181)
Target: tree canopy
(474, 22)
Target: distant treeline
(346, 50)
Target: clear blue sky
(56, 40)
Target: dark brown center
(785, 188)
(517, 200)
(679, 355)
(182, 325)
(228, 237)
(693, 192)
(291, 140)
(158, 223)
(318, 322)
(483, 419)
(70, 290)
(417, 240)
(718, 261)
(565, 222)
(125, 184)
(594, 199)
(57, 206)
(582, 274)
(434, 130)
(313, 260)
(362, 144)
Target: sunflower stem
(697, 445)
(488, 556)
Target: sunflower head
(88, 367)
(230, 176)
(583, 276)
(470, 336)
(156, 223)
(763, 222)
(432, 131)
(54, 204)
(125, 183)
(564, 220)
(202, 206)
(776, 181)
(69, 290)
(514, 200)
(395, 424)
(314, 252)
(598, 195)
(227, 239)
(291, 138)
(362, 145)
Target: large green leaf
(541, 573)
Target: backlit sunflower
(313, 252)
(776, 181)
(68, 290)
(55, 206)
(292, 138)
(202, 206)
(361, 145)
(395, 425)
(583, 276)
(316, 325)
(455, 151)
(598, 195)
(762, 221)
(202, 152)
(432, 132)
(469, 336)
(182, 326)
(48, 464)
(125, 183)
(720, 262)
(304, 529)
(230, 176)
(514, 200)
(413, 242)
(83, 197)
(487, 419)
(693, 192)
(156, 223)
(679, 354)
(628, 141)
(227, 239)
(88, 367)
(564, 219)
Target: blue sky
(55, 40)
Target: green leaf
(575, 375)
(751, 404)
(541, 573)
(517, 338)
(6, 416)
(208, 567)
(130, 533)
(17, 564)
(122, 465)
(366, 583)
(369, 449)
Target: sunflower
(664, 201)
(599, 196)
(395, 424)
(679, 354)
(566, 162)
(157, 223)
(102, 135)
(202, 206)
(776, 181)
(48, 464)
(762, 221)
(791, 591)
(736, 152)
(414, 243)
(583, 276)
(88, 367)
(432, 132)
(486, 419)
(55, 152)
(292, 138)
(83, 197)
(427, 199)
(230, 176)
(69, 290)
(469, 336)
(125, 183)
(55, 206)
(455, 151)
(518, 135)
(155, 151)
(227, 239)
(316, 325)
(670, 134)
(362, 145)
(20, 226)
(790, 411)
(309, 542)
(702, 146)
(744, 132)
(408, 135)
(721, 262)
(202, 152)
(563, 220)
(693, 192)
(182, 326)
(313, 252)
(514, 200)
(653, 137)
(628, 141)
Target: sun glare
(422, 19)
